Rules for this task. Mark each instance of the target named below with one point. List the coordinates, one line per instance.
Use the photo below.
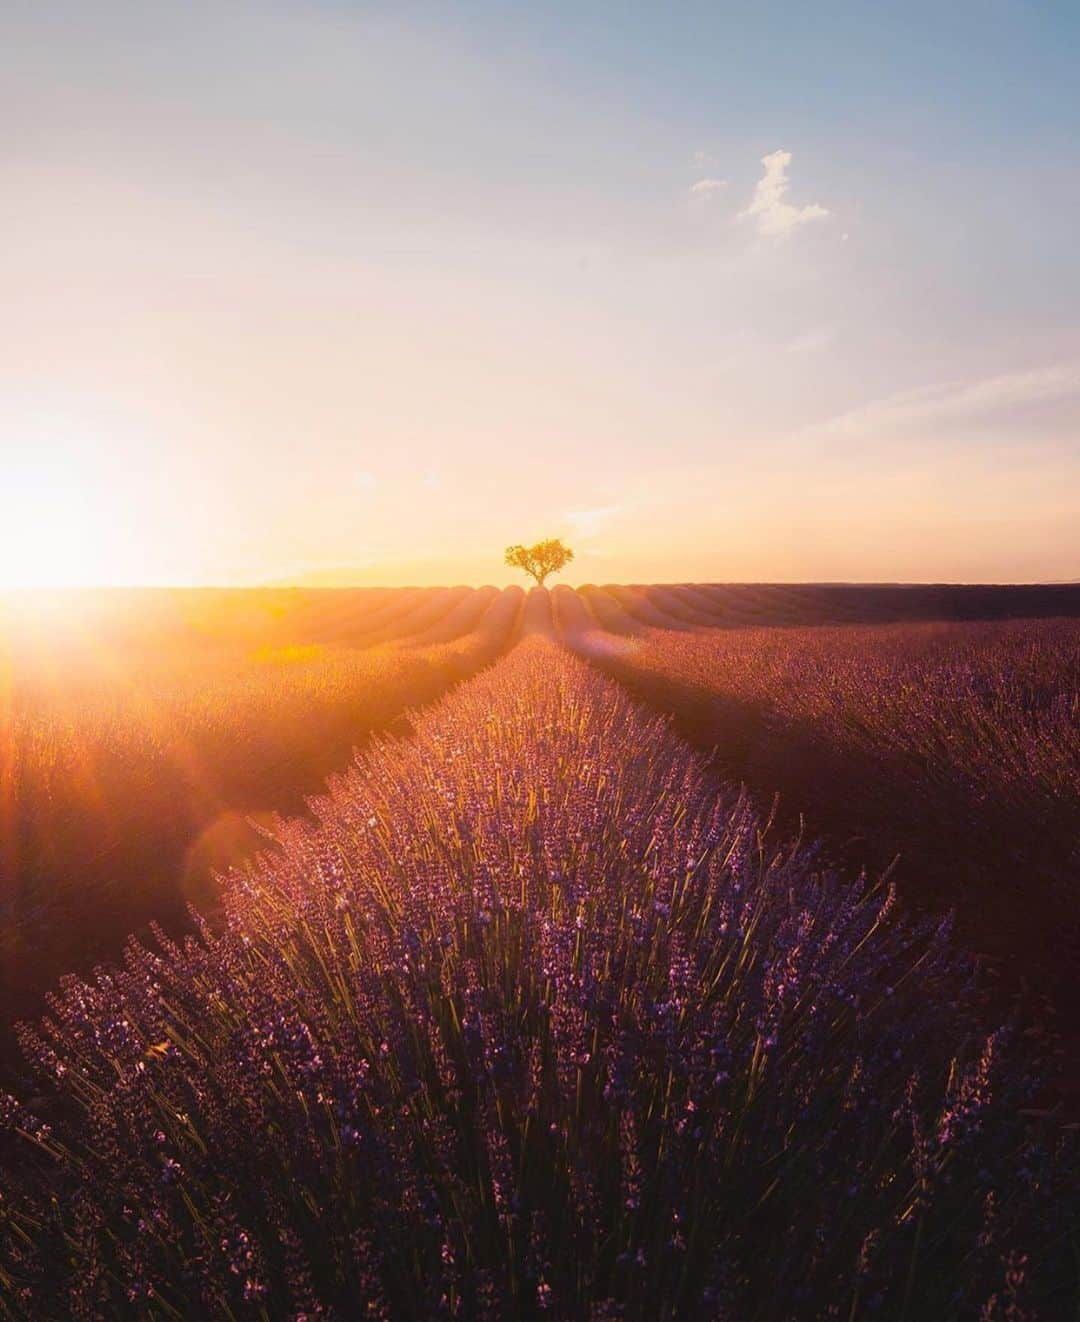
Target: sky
(324, 292)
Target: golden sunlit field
(146, 735)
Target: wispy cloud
(955, 401)
(706, 187)
(811, 341)
(767, 206)
(587, 523)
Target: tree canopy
(546, 557)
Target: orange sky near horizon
(90, 520)
(90, 528)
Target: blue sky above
(720, 291)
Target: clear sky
(716, 291)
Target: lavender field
(546, 1007)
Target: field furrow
(136, 764)
(952, 749)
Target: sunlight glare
(51, 527)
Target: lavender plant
(118, 752)
(534, 1020)
(956, 746)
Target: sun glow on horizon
(53, 529)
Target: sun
(53, 527)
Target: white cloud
(767, 206)
(811, 341)
(587, 523)
(955, 401)
(706, 187)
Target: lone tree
(540, 560)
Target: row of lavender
(131, 753)
(535, 1021)
(955, 746)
